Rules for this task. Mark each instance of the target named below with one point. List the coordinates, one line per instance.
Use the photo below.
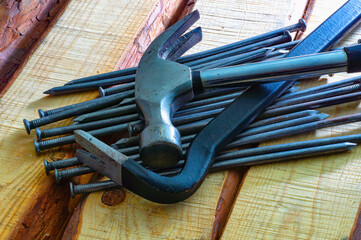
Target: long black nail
(101, 103)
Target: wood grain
(22, 24)
(233, 181)
(231, 185)
(315, 198)
(164, 15)
(355, 233)
(222, 22)
(89, 38)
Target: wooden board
(315, 198)
(88, 39)
(222, 22)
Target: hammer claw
(172, 34)
(184, 43)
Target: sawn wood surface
(314, 198)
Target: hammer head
(161, 87)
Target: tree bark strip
(23, 25)
(306, 15)
(47, 215)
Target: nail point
(323, 115)
(313, 112)
(350, 145)
(50, 91)
(114, 146)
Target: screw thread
(70, 162)
(351, 87)
(94, 187)
(57, 131)
(35, 123)
(72, 172)
(56, 142)
(81, 109)
(41, 121)
(45, 133)
(76, 105)
(56, 110)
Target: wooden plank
(22, 25)
(234, 180)
(315, 198)
(222, 22)
(88, 39)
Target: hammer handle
(307, 66)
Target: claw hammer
(130, 174)
(162, 86)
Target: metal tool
(356, 138)
(224, 161)
(300, 26)
(230, 57)
(162, 86)
(270, 134)
(133, 141)
(218, 132)
(296, 116)
(225, 164)
(321, 88)
(135, 125)
(70, 112)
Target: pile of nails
(115, 112)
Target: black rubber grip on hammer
(353, 58)
(197, 82)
